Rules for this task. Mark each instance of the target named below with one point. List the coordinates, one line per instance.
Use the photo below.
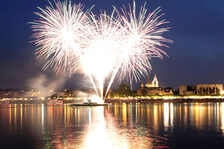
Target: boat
(89, 103)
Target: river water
(154, 125)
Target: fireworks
(104, 47)
(142, 41)
(58, 35)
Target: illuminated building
(187, 90)
(70, 93)
(153, 83)
(201, 89)
(60, 94)
(12, 93)
(153, 88)
(209, 89)
(148, 83)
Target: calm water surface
(157, 125)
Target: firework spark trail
(105, 47)
(58, 35)
(101, 55)
(141, 41)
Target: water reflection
(117, 126)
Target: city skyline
(195, 56)
(111, 74)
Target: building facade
(187, 90)
(201, 89)
(209, 89)
(152, 88)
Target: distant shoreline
(134, 100)
(179, 100)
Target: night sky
(196, 56)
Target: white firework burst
(59, 35)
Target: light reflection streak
(222, 109)
(131, 115)
(166, 115)
(103, 127)
(155, 118)
(100, 137)
(89, 116)
(124, 113)
(197, 115)
(42, 115)
(209, 113)
(218, 113)
(21, 117)
(191, 114)
(215, 112)
(15, 118)
(185, 114)
(148, 112)
(136, 112)
(65, 115)
(10, 118)
(171, 115)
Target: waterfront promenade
(174, 99)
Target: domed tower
(142, 84)
(148, 83)
(155, 82)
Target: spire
(155, 82)
(155, 78)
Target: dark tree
(144, 91)
(124, 90)
(54, 96)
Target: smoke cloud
(45, 85)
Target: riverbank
(179, 100)
(124, 100)
(37, 101)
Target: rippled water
(157, 125)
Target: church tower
(148, 83)
(155, 82)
